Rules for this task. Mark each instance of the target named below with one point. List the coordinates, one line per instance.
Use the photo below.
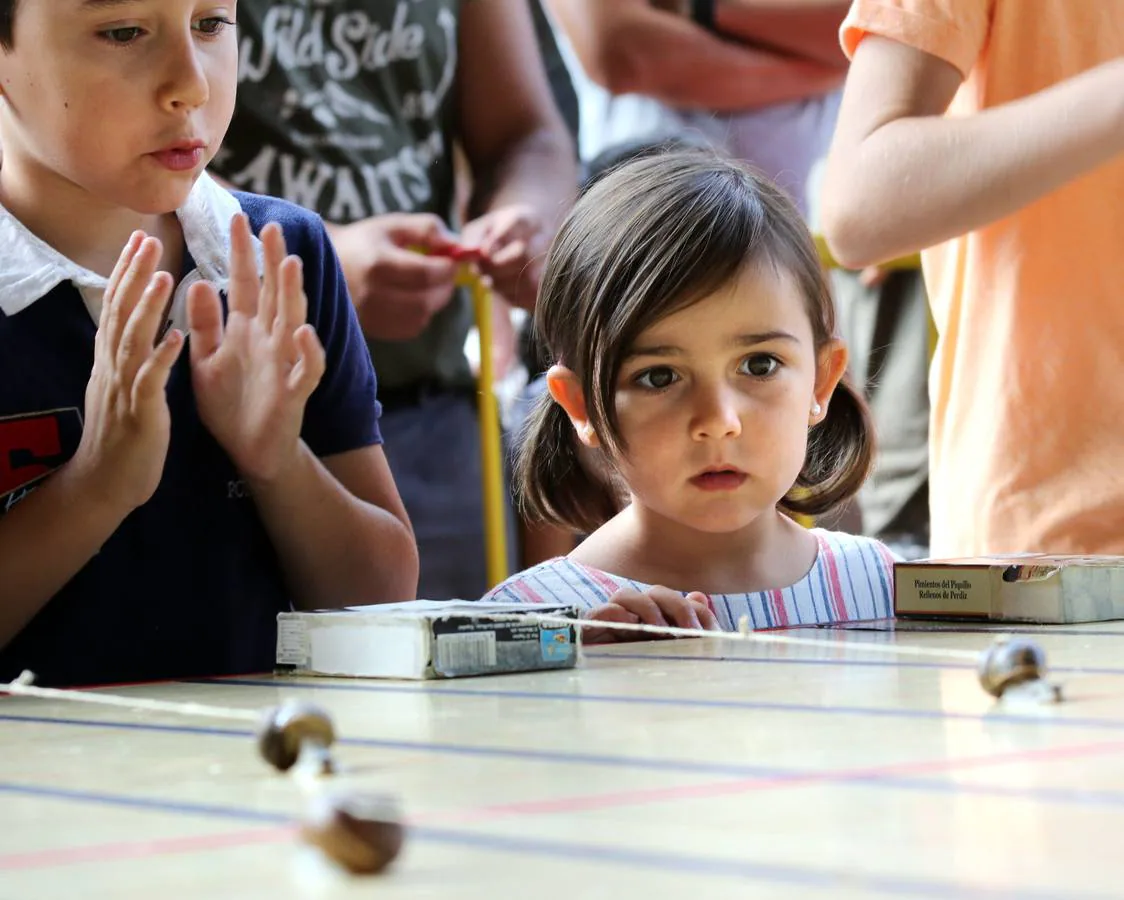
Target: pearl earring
(816, 409)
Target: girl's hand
(658, 606)
(253, 376)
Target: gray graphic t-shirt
(347, 107)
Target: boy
(1014, 192)
(159, 507)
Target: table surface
(652, 769)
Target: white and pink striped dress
(852, 579)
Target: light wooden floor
(670, 769)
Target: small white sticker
(292, 643)
(469, 651)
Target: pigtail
(840, 455)
(555, 486)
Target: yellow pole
(491, 454)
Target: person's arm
(37, 556)
(628, 46)
(522, 158)
(50, 535)
(341, 533)
(340, 529)
(902, 177)
(804, 28)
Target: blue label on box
(556, 643)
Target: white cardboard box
(1032, 588)
(423, 639)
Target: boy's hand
(396, 290)
(512, 242)
(127, 423)
(253, 377)
(659, 606)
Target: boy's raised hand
(254, 375)
(657, 606)
(127, 423)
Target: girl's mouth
(718, 479)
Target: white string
(24, 687)
(742, 634)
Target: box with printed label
(423, 639)
(1031, 588)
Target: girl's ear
(831, 365)
(566, 390)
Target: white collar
(30, 268)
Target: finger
(610, 612)
(644, 608)
(244, 281)
(204, 320)
(704, 609)
(407, 269)
(139, 336)
(682, 614)
(707, 618)
(130, 289)
(510, 228)
(513, 255)
(152, 377)
(122, 264)
(292, 303)
(310, 367)
(273, 243)
(423, 230)
(676, 608)
(435, 236)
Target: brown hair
(651, 237)
(7, 22)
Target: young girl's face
(715, 402)
(126, 101)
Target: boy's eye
(760, 365)
(212, 25)
(657, 378)
(122, 35)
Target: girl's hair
(7, 22)
(651, 237)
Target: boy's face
(125, 100)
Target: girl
(696, 402)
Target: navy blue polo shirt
(189, 584)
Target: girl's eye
(760, 366)
(122, 35)
(657, 379)
(212, 25)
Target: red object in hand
(461, 254)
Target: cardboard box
(1030, 588)
(424, 639)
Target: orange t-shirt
(1027, 384)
